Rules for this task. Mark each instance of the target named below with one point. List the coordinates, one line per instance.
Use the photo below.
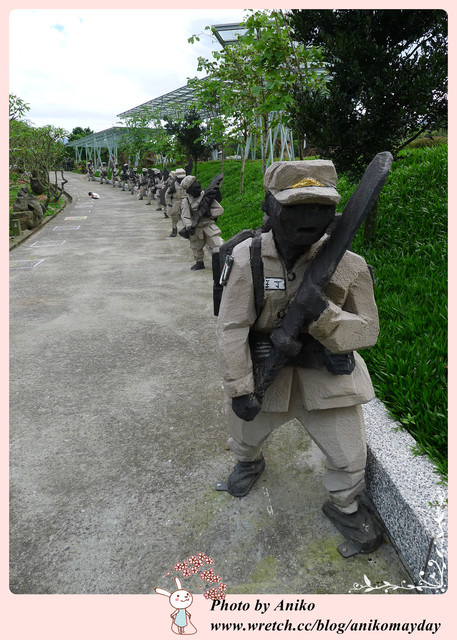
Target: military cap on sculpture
(302, 181)
(187, 182)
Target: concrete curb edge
(408, 494)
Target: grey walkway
(117, 426)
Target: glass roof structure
(171, 104)
(227, 33)
(92, 144)
(105, 138)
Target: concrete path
(117, 425)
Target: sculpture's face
(305, 224)
(300, 224)
(195, 189)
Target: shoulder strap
(257, 272)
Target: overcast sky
(80, 68)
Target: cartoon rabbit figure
(181, 600)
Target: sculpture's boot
(198, 265)
(362, 529)
(244, 476)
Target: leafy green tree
(278, 65)
(79, 132)
(226, 94)
(162, 145)
(137, 139)
(387, 83)
(190, 135)
(35, 153)
(17, 107)
(387, 80)
(211, 100)
(257, 74)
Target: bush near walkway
(408, 365)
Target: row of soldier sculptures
(181, 198)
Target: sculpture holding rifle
(289, 327)
(199, 212)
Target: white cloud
(83, 67)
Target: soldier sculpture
(199, 211)
(321, 379)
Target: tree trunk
(264, 143)
(38, 182)
(243, 163)
(56, 190)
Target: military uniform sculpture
(324, 381)
(173, 197)
(133, 180)
(153, 179)
(115, 175)
(143, 184)
(90, 171)
(162, 187)
(124, 175)
(103, 173)
(198, 215)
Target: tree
(137, 138)
(210, 98)
(36, 151)
(17, 107)
(79, 132)
(257, 73)
(225, 93)
(162, 145)
(387, 80)
(387, 83)
(189, 132)
(277, 64)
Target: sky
(81, 68)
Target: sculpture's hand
(246, 407)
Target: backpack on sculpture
(222, 261)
